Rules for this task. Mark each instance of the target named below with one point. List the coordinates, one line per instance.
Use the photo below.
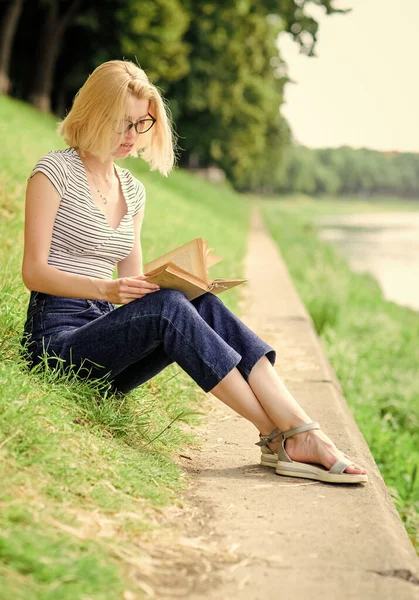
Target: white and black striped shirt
(83, 242)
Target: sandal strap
(265, 439)
(282, 453)
(300, 429)
(340, 465)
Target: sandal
(269, 458)
(284, 465)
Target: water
(386, 245)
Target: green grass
(371, 343)
(86, 471)
(313, 207)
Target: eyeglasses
(141, 126)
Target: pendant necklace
(95, 175)
(104, 198)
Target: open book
(186, 269)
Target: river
(386, 245)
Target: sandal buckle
(265, 439)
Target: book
(186, 269)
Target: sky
(362, 89)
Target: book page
(171, 276)
(187, 257)
(212, 259)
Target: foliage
(228, 106)
(345, 170)
(149, 32)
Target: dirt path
(254, 535)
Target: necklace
(104, 198)
(107, 179)
(95, 175)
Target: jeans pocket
(57, 306)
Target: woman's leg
(255, 390)
(141, 371)
(206, 311)
(146, 334)
(204, 338)
(279, 409)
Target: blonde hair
(101, 102)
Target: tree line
(347, 171)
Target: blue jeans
(130, 344)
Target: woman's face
(137, 110)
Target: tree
(228, 107)
(230, 98)
(58, 16)
(10, 17)
(148, 32)
(301, 26)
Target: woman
(83, 217)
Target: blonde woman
(83, 217)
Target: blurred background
(356, 102)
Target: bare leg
(274, 396)
(267, 403)
(234, 391)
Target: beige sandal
(284, 465)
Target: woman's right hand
(127, 289)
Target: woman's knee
(172, 302)
(167, 295)
(207, 299)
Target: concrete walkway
(295, 536)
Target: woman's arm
(42, 203)
(132, 265)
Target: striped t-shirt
(82, 241)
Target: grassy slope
(79, 466)
(371, 343)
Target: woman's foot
(314, 447)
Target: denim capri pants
(130, 344)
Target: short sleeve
(140, 196)
(54, 167)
